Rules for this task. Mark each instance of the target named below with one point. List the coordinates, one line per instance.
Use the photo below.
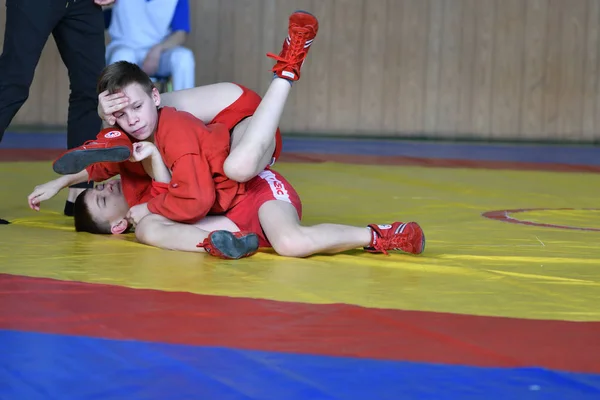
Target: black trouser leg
(28, 26)
(80, 40)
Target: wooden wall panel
(373, 42)
(571, 96)
(414, 34)
(392, 60)
(496, 69)
(590, 78)
(532, 91)
(483, 69)
(508, 68)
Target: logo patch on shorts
(112, 134)
(277, 187)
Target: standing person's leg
(28, 26)
(80, 40)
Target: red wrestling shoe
(407, 237)
(111, 145)
(302, 30)
(230, 245)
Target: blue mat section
(571, 155)
(574, 155)
(43, 366)
(12, 140)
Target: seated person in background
(151, 34)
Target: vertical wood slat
(590, 112)
(392, 56)
(467, 63)
(442, 68)
(481, 96)
(552, 74)
(570, 122)
(319, 70)
(532, 94)
(508, 67)
(435, 19)
(225, 38)
(449, 83)
(205, 39)
(373, 43)
(414, 36)
(344, 83)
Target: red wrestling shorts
(245, 106)
(266, 186)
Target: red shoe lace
(205, 244)
(398, 241)
(88, 142)
(296, 52)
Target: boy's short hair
(83, 219)
(116, 76)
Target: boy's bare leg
(279, 221)
(281, 225)
(203, 102)
(253, 151)
(253, 140)
(158, 231)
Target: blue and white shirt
(144, 23)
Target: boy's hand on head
(136, 213)
(43, 192)
(141, 151)
(108, 104)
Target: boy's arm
(149, 156)
(160, 172)
(204, 102)
(191, 192)
(48, 190)
(100, 172)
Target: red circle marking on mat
(503, 215)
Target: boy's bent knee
(291, 246)
(240, 169)
(241, 165)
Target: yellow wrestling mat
(544, 267)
